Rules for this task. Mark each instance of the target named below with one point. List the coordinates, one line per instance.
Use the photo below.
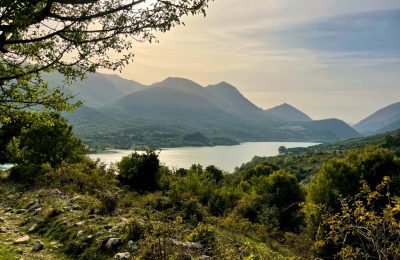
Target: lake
(5, 166)
(224, 157)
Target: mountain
(230, 99)
(164, 101)
(379, 120)
(178, 112)
(223, 96)
(391, 127)
(180, 84)
(97, 89)
(340, 129)
(288, 113)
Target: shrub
(140, 171)
(23, 174)
(364, 228)
(85, 176)
(109, 201)
(222, 200)
(134, 229)
(215, 173)
(249, 207)
(192, 210)
(38, 143)
(269, 216)
(283, 188)
(204, 234)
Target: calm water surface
(224, 157)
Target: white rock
(113, 243)
(124, 256)
(22, 240)
(32, 228)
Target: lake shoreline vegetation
(330, 200)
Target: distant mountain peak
(230, 97)
(286, 105)
(289, 113)
(178, 80)
(223, 85)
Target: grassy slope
(17, 225)
(65, 225)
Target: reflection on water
(224, 157)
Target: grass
(6, 253)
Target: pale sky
(330, 58)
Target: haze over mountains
(121, 113)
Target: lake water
(5, 166)
(224, 157)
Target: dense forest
(328, 201)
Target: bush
(215, 173)
(84, 177)
(250, 206)
(134, 229)
(109, 201)
(192, 210)
(284, 189)
(38, 143)
(222, 200)
(23, 174)
(140, 171)
(269, 216)
(204, 234)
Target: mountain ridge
(173, 111)
(379, 120)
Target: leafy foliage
(44, 36)
(362, 230)
(140, 171)
(36, 143)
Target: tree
(282, 150)
(215, 173)
(336, 178)
(342, 177)
(36, 143)
(73, 37)
(284, 195)
(7, 133)
(140, 171)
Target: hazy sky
(330, 58)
